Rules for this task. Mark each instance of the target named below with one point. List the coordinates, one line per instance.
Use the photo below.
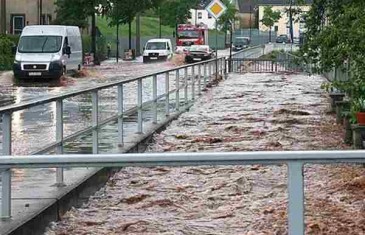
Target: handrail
(295, 161)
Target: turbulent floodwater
(250, 112)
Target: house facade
(283, 25)
(16, 14)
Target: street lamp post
(250, 22)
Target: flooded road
(250, 112)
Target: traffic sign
(216, 8)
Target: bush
(100, 46)
(6, 55)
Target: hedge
(6, 55)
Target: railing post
(205, 75)
(186, 85)
(95, 121)
(199, 80)
(296, 198)
(210, 71)
(6, 174)
(177, 90)
(59, 138)
(120, 115)
(193, 83)
(154, 95)
(140, 111)
(167, 93)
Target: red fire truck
(188, 35)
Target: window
(17, 23)
(200, 15)
(209, 16)
(46, 19)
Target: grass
(149, 27)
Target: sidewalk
(250, 112)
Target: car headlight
(17, 62)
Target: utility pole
(40, 12)
(291, 21)
(159, 13)
(138, 35)
(3, 17)
(250, 22)
(117, 42)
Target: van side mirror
(67, 50)
(168, 48)
(144, 48)
(14, 49)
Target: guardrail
(294, 160)
(184, 83)
(181, 86)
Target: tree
(229, 17)
(270, 18)
(336, 39)
(175, 12)
(124, 12)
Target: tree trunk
(130, 34)
(3, 17)
(93, 39)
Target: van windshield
(156, 46)
(40, 44)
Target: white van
(157, 49)
(48, 51)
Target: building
(247, 14)
(200, 16)
(16, 14)
(283, 25)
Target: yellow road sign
(216, 8)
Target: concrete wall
(30, 9)
(283, 24)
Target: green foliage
(176, 11)
(229, 17)
(335, 39)
(124, 11)
(270, 17)
(6, 56)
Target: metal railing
(182, 83)
(294, 160)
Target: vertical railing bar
(6, 174)
(193, 83)
(186, 75)
(120, 115)
(59, 138)
(199, 79)
(95, 121)
(296, 198)
(167, 94)
(205, 75)
(177, 106)
(210, 72)
(139, 104)
(154, 91)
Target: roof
(159, 40)
(280, 2)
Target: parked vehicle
(157, 50)
(282, 39)
(188, 35)
(48, 51)
(241, 43)
(199, 53)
